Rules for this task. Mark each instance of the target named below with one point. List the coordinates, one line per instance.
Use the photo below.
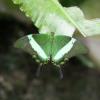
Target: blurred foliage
(91, 8)
(71, 2)
(17, 68)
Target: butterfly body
(49, 47)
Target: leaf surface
(50, 16)
(86, 27)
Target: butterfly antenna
(61, 73)
(38, 70)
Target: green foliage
(50, 16)
(71, 2)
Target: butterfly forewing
(58, 43)
(44, 46)
(67, 48)
(45, 42)
(36, 44)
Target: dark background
(18, 79)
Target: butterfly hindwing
(77, 49)
(23, 43)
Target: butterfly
(45, 48)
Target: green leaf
(50, 16)
(47, 15)
(86, 27)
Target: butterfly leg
(61, 73)
(38, 70)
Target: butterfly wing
(23, 43)
(37, 45)
(68, 48)
(58, 43)
(77, 49)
